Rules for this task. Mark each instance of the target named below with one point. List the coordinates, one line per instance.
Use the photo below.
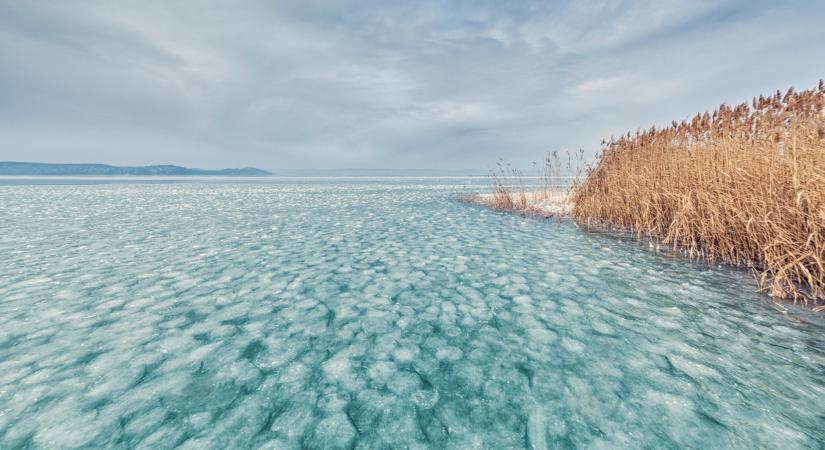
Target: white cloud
(598, 84)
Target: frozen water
(375, 314)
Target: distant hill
(28, 168)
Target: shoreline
(559, 204)
(547, 204)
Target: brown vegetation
(742, 185)
(550, 196)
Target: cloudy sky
(378, 84)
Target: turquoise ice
(375, 313)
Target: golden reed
(744, 185)
(556, 179)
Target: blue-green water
(375, 313)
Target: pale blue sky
(427, 84)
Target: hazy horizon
(297, 171)
(378, 85)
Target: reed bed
(548, 196)
(743, 185)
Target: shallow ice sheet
(368, 314)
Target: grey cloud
(377, 84)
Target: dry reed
(550, 197)
(508, 195)
(742, 185)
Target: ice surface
(375, 314)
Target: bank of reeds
(743, 185)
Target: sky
(379, 84)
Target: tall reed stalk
(556, 178)
(508, 188)
(744, 185)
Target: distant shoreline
(19, 168)
(16, 168)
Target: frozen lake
(374, 313)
